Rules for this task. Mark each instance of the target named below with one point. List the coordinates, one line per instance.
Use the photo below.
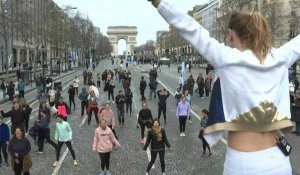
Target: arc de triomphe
(128, 33)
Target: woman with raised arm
(250, 69)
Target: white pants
(266, 162)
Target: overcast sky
(138, 13)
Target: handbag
(201, 133)
(105, 88)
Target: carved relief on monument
(112, 38)
(131, 38)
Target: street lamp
(2, 50)
(66, 52)
(43, 59)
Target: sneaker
(113, 101)
(142, 141)
(102, 173)
(147, 174)
(209, 154)
(163, 173)
(180, 134)
(75, 163)
(55, 164)
(39, 152)
(107, 173)
(183, 134)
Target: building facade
(282, 16)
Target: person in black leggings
(103, 142)
(162, 103)
(144, 120)
(182, 113)
(128, 100)
(203, 124)
(157, 137)
(63, 134)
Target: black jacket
(143, 85)
(296, 111)
(144, 115)
(71, 92)
(162, 102)
(120, 100)
(155, 144)
(128, 96)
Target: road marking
(193, 112)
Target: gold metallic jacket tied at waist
(262, 118)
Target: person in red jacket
(62, 109)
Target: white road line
(193, 112)
(60, 161)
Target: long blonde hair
(252, 28)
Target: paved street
(186, 159)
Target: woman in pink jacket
(104, 141)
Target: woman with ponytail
(158, 139)
(250, 97)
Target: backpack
(61, 110)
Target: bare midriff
(251, 141)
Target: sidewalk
(32, 86)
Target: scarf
(157, 132)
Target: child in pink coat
(104, 141)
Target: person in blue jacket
(21, 88)
(4, 140)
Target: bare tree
(6, 30)
(274, 13)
